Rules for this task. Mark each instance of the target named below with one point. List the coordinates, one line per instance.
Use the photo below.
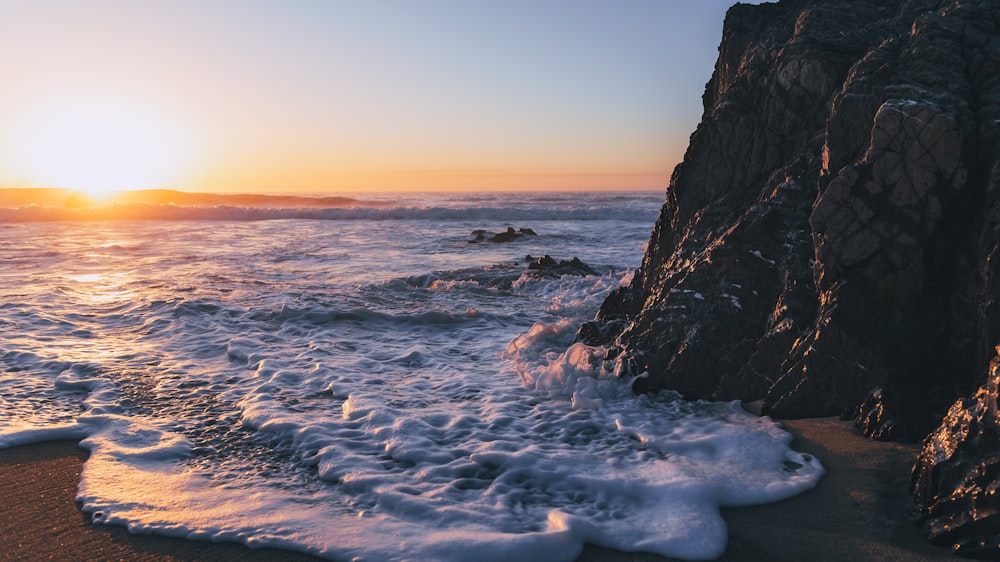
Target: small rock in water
(548, 267)
(510, 234)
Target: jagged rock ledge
(829, 244)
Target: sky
(336, 95)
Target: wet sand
(857, 512)
(41, 521)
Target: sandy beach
(857, 512)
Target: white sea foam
(368, 389)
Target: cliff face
(831, 234)
(830, 243)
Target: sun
(98, 145)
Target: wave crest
(62, 205)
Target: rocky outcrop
(957, 475)
(829, 243)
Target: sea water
(362, 382)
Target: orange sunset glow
(336, 96)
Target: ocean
(360, 379)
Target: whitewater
(362, 382)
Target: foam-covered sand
(857, 512)
(41, 521)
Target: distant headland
(72, 199)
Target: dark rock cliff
(830, 242)
(832, 229)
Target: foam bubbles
(371, 389)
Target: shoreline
(43, 522)
(857, 511)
